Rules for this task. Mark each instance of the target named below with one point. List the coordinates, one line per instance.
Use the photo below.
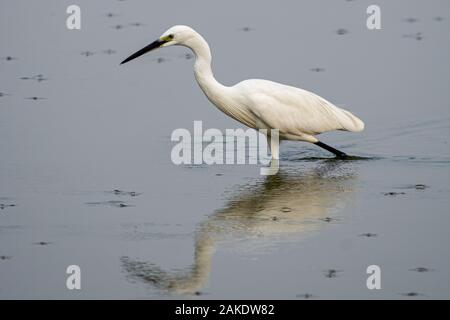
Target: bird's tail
(350, 122)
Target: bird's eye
(170, 36)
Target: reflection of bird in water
(250, 216)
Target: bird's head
(176, 35)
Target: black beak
(155, 44)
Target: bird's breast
(237, 112)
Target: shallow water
(86, 176)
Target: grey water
(86, 177)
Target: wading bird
(297, 114)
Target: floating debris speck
(421, 269)
(341, 31)
(42, 243)
(305, 296)
(35, 98)
(246, 29)
(118, 27)
(38, 78)
(87, 53)
(3, 206)
(328, 219)
(368, 235)
(331, 273)
(9, 58)
(125, 193)
(137, 24)
(109, 51)
(393, 193)
(411, 20)
(411, 294)
(416, 36)
(112, 203)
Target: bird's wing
(296, 111)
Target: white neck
(202, 69)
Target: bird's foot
(342, 156)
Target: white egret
(261, 104)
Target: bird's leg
(274, 142)
(339, 154)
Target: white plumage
(297, 113)
(261, 104)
